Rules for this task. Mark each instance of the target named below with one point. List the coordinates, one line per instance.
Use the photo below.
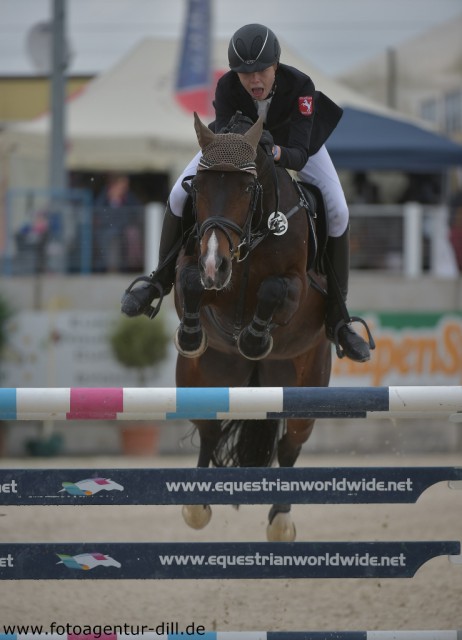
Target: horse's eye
(249, 188)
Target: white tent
(128, 117)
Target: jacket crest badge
(305, 105)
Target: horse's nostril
(224, 265)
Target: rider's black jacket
(299, 118)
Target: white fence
(407, 239)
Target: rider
(298, 120)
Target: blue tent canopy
(365, 141)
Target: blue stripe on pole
(8, 404)
(203, 403)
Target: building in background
(422, 77)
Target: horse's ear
(204, 135)
(253, 135)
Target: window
(429, 110)
(453, 111)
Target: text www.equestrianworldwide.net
(264, 485)
(285, 560)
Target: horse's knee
(271, 294)
(279, 299)
(190, 281)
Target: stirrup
(342, 323)
(150, 311)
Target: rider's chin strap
(346, 318)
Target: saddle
(318, 225)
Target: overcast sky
(334, 35)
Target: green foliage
(139, 342)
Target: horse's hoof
(190, 353)
(197, 516)
(255, 353)
(281, 529)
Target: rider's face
(259, 83)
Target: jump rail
(218, 403)
(83, 632)
(219, 560)
(339, 485)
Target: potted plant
(139, 343)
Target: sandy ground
(430, 600)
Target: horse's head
(225, 191)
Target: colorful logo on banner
(411, 349)
(90, 486)
(87, 561)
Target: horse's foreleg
(255, 341)
(190, 339)
(197, 516)
(280, 525)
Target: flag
(194, 89)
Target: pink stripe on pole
(95, 404)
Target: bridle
(248, 234)
(253, 231)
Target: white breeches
(319, 170)
(178, 195)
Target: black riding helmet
(253, 47)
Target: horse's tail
(247, 443)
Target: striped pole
(87, 632)
(222, 403)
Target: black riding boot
(160, 282)
(338, 328)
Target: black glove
(238, 124)
(267, 142)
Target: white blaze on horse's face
(211, 276)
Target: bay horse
(249, 314)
